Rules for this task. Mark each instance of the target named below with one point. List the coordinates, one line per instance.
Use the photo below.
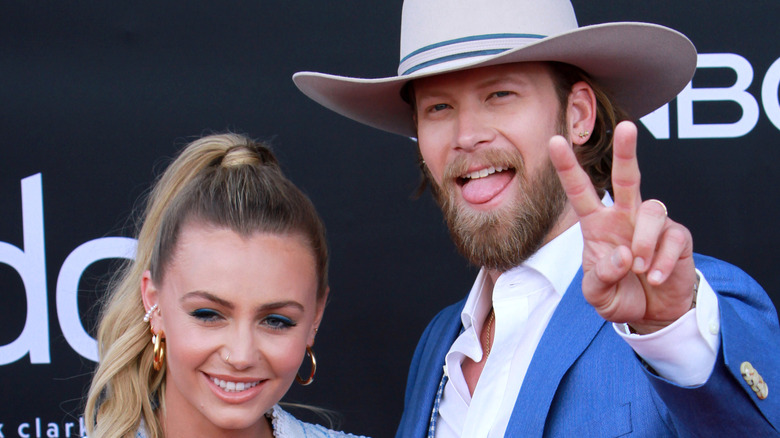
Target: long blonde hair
(226, 180)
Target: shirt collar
(558, 261)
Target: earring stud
(583, 134)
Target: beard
(505, 237)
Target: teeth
(234, 386)
(484, 172)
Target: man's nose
(472, 129)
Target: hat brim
(642, 66)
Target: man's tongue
(481, 190)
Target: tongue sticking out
(482, 190)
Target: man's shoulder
(445, 325)
(721, 274)
(445, 316)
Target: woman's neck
(178, 422)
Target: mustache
(460, 165)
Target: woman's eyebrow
(265, 307)
(208, 296)
(279, 305)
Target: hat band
(460, 48)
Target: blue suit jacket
(585, 381)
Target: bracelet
(695, 291)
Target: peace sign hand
(638, 264)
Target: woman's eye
(205, 314)
(278, 322)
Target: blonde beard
(503, 238)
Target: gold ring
(666, 212)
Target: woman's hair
(223, 180)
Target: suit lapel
(429, 367)
(572, 327)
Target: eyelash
(442, 106)
(438, 107)
(273, 321)
(279, 322)
(207, 315)
(500, 94)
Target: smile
(234, 386)
(485, 184)
(477, 174)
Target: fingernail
(655, 277)
(616, 259)
(639, 264)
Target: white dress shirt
(524, 299)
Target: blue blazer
(585, 381)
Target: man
(515, 110)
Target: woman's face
(237, 314)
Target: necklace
(491, 318)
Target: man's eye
(439, 107)
(501, 93)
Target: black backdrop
(95, 95)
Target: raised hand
(638, 264)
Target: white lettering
(31, 266)
(68, 283)
(769, 95)
(22, 430)
(53, 431)
(657, 122)
(735, 93)
(68, 427)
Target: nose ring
(227, 357)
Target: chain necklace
(489, 327)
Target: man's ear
(581, 113)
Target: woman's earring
(148, 315)
(308, 381)
(157, 340)
(159, 350)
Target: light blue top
(285, 426)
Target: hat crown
(439, 34)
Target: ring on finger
(666, 212)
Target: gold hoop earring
(159, 351)
(308, 381)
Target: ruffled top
(285, 426)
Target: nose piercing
(227, 357)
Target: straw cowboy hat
(642, 65)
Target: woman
(207, 328)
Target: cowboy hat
(642, 65)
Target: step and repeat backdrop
(95, 97)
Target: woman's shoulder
(287, 426)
